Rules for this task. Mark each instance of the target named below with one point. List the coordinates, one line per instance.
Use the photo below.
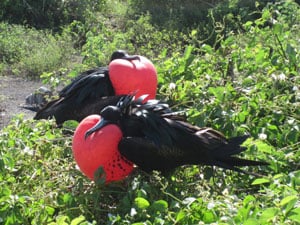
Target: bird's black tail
(33, 108)
(224, 156)
(36, 100)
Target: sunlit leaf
(141, 203)
(251, 222)
(268, 214)
(159, 205)
(260, 181)
(180, 216)
(78, 220)
(288, 199)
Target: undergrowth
(250, 84)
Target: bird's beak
(102, 123)
(131, 57)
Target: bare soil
(13, 91)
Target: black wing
(155, 142)
(148, 156)
(81, 98)
(75, 82)
(89, 85)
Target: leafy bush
(211, 19)
(29, 52)
(249, 84)
(47, 14)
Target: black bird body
(154, 138)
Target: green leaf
(194, 32)
(159, 205)
(251, 221)
(266, 15)
(290, 50)
(188, 52)
(70, 124)
(288, 199)
(295, 215)
(268, 214)
(141, 203)
(207, 48)
(50, 210)
(100, 176)
(78, 220)
(67, 198)
(277, 28)
(248, 199)
(218, 92)
(259, 56)
(62, 220)
(209, 217)
(260, 181)
(248, 24)
(288, 202)
(180, 216)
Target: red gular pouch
(128, 76)
(100, 149)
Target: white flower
(291, 121)
(224, 218)
(210, 205)
(274, 76)
(225, 191)
(172, 86)
(133, 212)
(28, 151)
(77, 167)
(281, 77)
(262, 136)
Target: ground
(13, 91)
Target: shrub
(29, 52)
(47, 14)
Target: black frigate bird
(155, 138)
(85, 95)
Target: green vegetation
(247, 80)
(30, 52)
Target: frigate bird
(96, 88)
(155, 138)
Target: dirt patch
(13, 91)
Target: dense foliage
(46, 14)
(249, 83)
(30, 52)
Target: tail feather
(232, 147)
(233, 164)
(224, 156)
(33, 108)
(234, 161)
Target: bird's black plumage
(84, 96)
(87, 94)
(155, 139)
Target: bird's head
(109, 115)
(121, 54)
